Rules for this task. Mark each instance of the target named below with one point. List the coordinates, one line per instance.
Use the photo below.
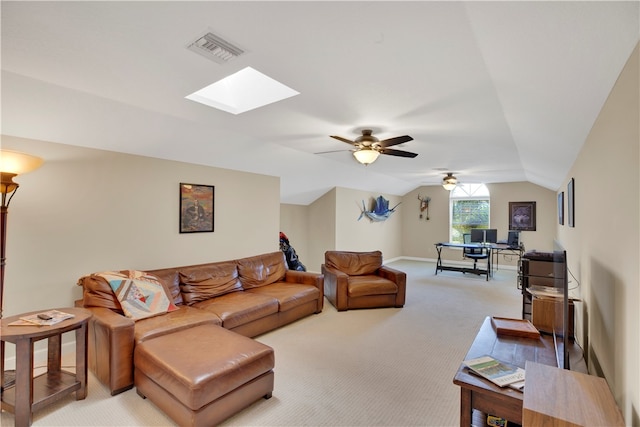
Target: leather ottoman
(203, 375)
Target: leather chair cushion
(183, 318)
(354, 263)
(359, 286)
(207, 281)
(238, 308)
(262, 270)
(203, 363)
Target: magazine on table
(46, 318)
(500, 373)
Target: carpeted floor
(379, 367)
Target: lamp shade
(16, 163)
(366, 155)
(449, 182)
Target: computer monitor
(491, 235)
(477, 235)
(484, 235)
(513, 240)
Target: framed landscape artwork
(522, 216)
(196, 208)
(571, 203)
(561, 208)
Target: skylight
(243, 91)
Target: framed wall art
(571, 203)
(561, 208)
(522, 216)
(196, 208)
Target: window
(468, 208)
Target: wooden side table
(30, 393)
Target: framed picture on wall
(522, 216)
(571, 203)
(561, 208)
(196, 208)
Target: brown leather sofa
(359, 280)
(249, 296)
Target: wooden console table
(479, 394)
(30, 393)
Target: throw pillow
(141, 295)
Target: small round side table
(30, 393)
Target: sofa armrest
(399, 278)
(111, 343)
(307, 278)
(336, 287)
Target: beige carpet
(380, 367)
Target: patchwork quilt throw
(141, 295)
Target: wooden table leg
(81, 360)
(2, 365)
(54, 353)
(24, 382)
(465, 407)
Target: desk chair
(473, 253)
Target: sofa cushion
(96, 292)
(200, 283)
(171, 280)
(184, 317)
(238, 308)
(289, 295)
(140, 294)
(354, 263)
(367, 285)
(262, 270)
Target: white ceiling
(493, 91)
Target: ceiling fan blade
(339, 138)
(399, 153)
(395, 141)
(332, 151)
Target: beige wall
(322, 229)
(603, 248)
(294, 222)
(419, 235)
(353, 234)
(89, 210)
(332, 224)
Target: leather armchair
(359, 280)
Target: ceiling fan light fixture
(449, 182)
(366, 155)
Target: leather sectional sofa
(249, 296)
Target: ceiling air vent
(213, 47)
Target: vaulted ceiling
(492, 91)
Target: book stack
(500, 373)
(46, 318)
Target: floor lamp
(12, 163)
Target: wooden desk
(557, 397)
(480, 394)
(479, 271)
(31, 393)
